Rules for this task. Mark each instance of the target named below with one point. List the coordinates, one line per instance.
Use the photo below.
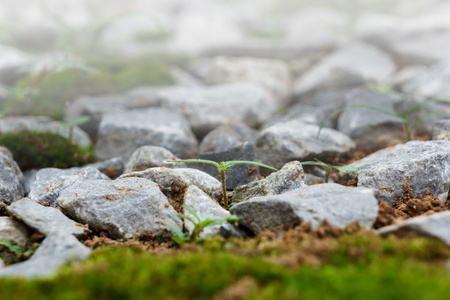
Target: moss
(34, 150)
(54, 91)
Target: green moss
(54, 91)
(44, 150)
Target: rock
(147, 157)
(290, 177)
(335, 203)
(434, 226)
(241, 173)
(125, 207)
(369, 128)
(50, 182)
(14, 231)
(11, 60)
(427, 163)
(120, 134)
(11, 178)
(45, 219)
(293, 140)
(205, 207)
(354, 64)
(206, 108)
(174, 182)
(226, 137)
(273, 75)
(56, 250)
(308, 114)
(441, 130)
(434, 83)
(112, 168)
(42, 123)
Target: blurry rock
(147, 157)
(441, 130)
(435, 82)
(11, 60)
(293, 140)
(120, 134)
(225, 137)
(13, 231)
(11, 178)
(112, 168)
(125, 207)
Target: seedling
(11, 247)
(404, 116)
(329, 169)
(223, 167)
(71, 124)
(182, 237)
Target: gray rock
(56, 250)
(367, 127)
(45, 219)
(241, 173)
(2, 264)
(225, 137)
(125, 207)
(41, 124)
(11, 60)
(112, 168)
(11, 178)
(434, 83)
(293, 140)
(147, 157)
(50, 182)
(353, 64)
(441, 130)
(14, 231)
(308, 114)
(273, 75)
(174, 182)
(435, 226)
(206, 108)
(290, 177)
(335, 203)
(120, 134)
(427, 163)
(205, 207)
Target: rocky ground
(360, 85)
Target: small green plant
(71, 124)
(11, 247)
(182, 237)
(329, 169)
(405, 116)
(223, 167)
(11, 253)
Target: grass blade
(235, 162)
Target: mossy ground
(303, 264)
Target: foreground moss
(354, 268)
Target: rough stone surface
(205, 207)
(125, 208)
(241, 173)
(354, 64)
(369, 128)
(435, 226)
(206, 108)
(120, 134)
(337, 204)
(308, 114)
(272, 75)
(441, 130)
(293, 140)
(11, 178)
(147, 157)
(225, 137)
(112, 168)
(45, 219)
(13, 231)
(174, 182)
(56, 250)
(427, 163)
(41, 123)
(290, 177)
(50, 182)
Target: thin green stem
(224, 189)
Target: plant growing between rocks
(182, 237)
(329, 169)
(223, 167)
(71, 124)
